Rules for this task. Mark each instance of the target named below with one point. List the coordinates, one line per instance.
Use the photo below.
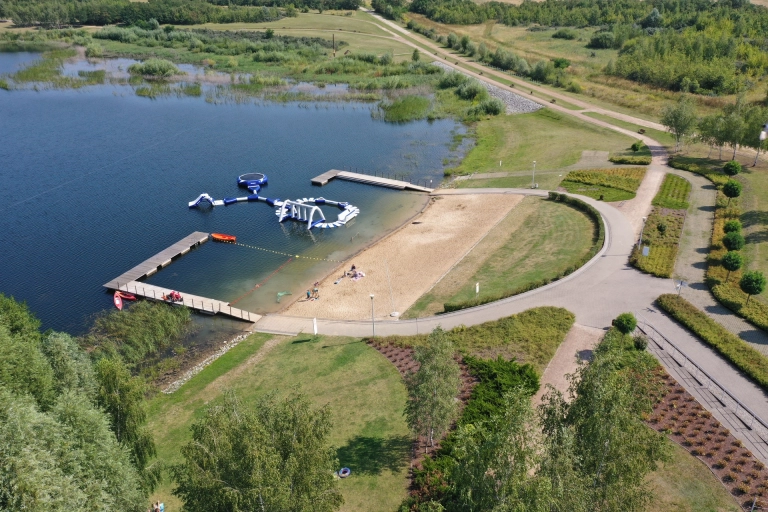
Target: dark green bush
(566, 33)
(732, 226)
(452, 79)
(625, 322)
(732, 168)
(733, 241)
(602, 40)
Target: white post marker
(533, 177)
(314, 326)
(477, 288)
(373, 321)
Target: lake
(95, 180)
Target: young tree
(754, 121)
(494, 459)
(732, 225)
(615, 449)
(732, 189)
(752, 283)
(733, 241)
(416, 55)
(274, 456)
(733, 128)
(679, 119)
(121, 396)
(432, 389)
(732, 261)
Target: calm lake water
(93, 181)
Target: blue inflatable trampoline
(252, 181)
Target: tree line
(73, 432)
(57, 14)
(683, 45)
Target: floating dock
(129, 281)
(324, 178)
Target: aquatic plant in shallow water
(160, 68)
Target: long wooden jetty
(324, 178)
(129, 281)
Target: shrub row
(597, 244)
(627, 179)
(674, 193)
(713, 175)
(729, 294)
(631, 160)
(730, 346)
(660, 261)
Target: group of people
(314, 294)
(173, 296)
(354, 273)
(157, 507)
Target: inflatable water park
(306, 210)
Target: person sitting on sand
(309, 295)
(316, 292)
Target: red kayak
(125, 295)
(118, 301)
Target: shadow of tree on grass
(371, 455)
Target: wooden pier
(129, 281)
(324, 178)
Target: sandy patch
(577, 346)
(403, 266)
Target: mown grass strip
(730, 346)
(674, 193)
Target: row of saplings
(584, 452)
(752, 282)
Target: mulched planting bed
(402, 358)
(685, 421)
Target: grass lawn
(665, 138)
(512, 255)
(361, 34)
(685, 484)
(547, 181)
(364, 390)
(552, 139)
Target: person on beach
(309, 295)
(316, 292)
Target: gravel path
(515, 103)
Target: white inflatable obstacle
(306, 209)
(200, 199)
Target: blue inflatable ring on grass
(344, 472)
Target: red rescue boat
(125, 295)
(221, 237)
(118, 301)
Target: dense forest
(690, 45)
(57, 14)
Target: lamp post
(373, 322)
(640, 240)
(533, 177)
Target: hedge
(730, 346)
(597, 244)
(631, 160)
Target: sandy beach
(405, 265)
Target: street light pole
(640, 240)
(533, 177)
(373, 322)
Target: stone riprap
(515, 104)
